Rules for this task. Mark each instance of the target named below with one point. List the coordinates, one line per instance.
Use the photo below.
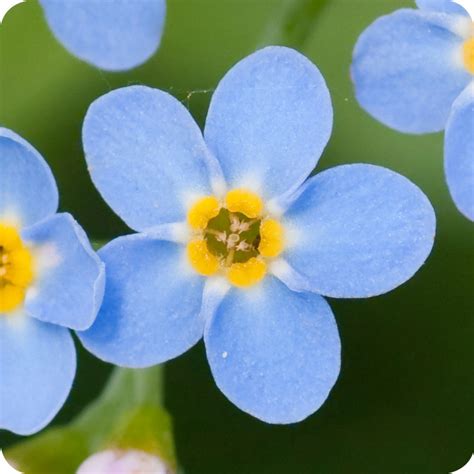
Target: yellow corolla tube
(16, 269)
(468, 54)
(234, 237)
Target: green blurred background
(403, 401)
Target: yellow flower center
(468, 55)
(234, 237)
(16, 269)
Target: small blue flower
(50, 280)
(234, 242)
(114, 35)
(413, 71)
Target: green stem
(293, 24)
(141, 386)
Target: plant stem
(293, 24)
(126, 389)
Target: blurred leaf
(58, 450)
(128, 414)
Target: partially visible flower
(234, 243)
(113, 35)
(50, 280)
(132, 461)
(413, 70)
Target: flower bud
(116, 461)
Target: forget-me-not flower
(413, 70)
(234, 242)
(113, 35)
(50, 280)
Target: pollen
(271, 238)
(202, 212)
(468, 55)
(248, 273)
(16, 269)
(245, 202)
(201, 259)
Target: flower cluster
(234, 242)
(414, 71)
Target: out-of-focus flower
(234, 242)
(130, 461)
(413, 71)
(113, 35)
(50, 280)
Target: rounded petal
(269, 121)
(70, 277)
(459, 152)
(407, 70)
(445, 6)
(28, 192)
(146, 155)
(358, 231)
(112, 35)
(37, 368)
(152, 304)
(273, 352)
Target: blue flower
(50, 280)
(113, 35)
(413, 71)
(235, 243)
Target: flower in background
(114, 35)
(50, 280)
(129, 461)
(234, 243)
(413, 70)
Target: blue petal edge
(37, 368)
(356, 231)
(70, 279)
(407, 69)
(269, 121)
(459, 152)
(274, 353)
(146, 156)
(114, 36)
(152, 304)
(28, 192)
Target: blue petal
(152, 303)
(70, 277)
(28, 192)
(273, 352)
(407, 70)
(112, 35)
(269, 121)
(358, 231)
(446, 6)
(146, 155)
(37, 367)
(459, 152)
